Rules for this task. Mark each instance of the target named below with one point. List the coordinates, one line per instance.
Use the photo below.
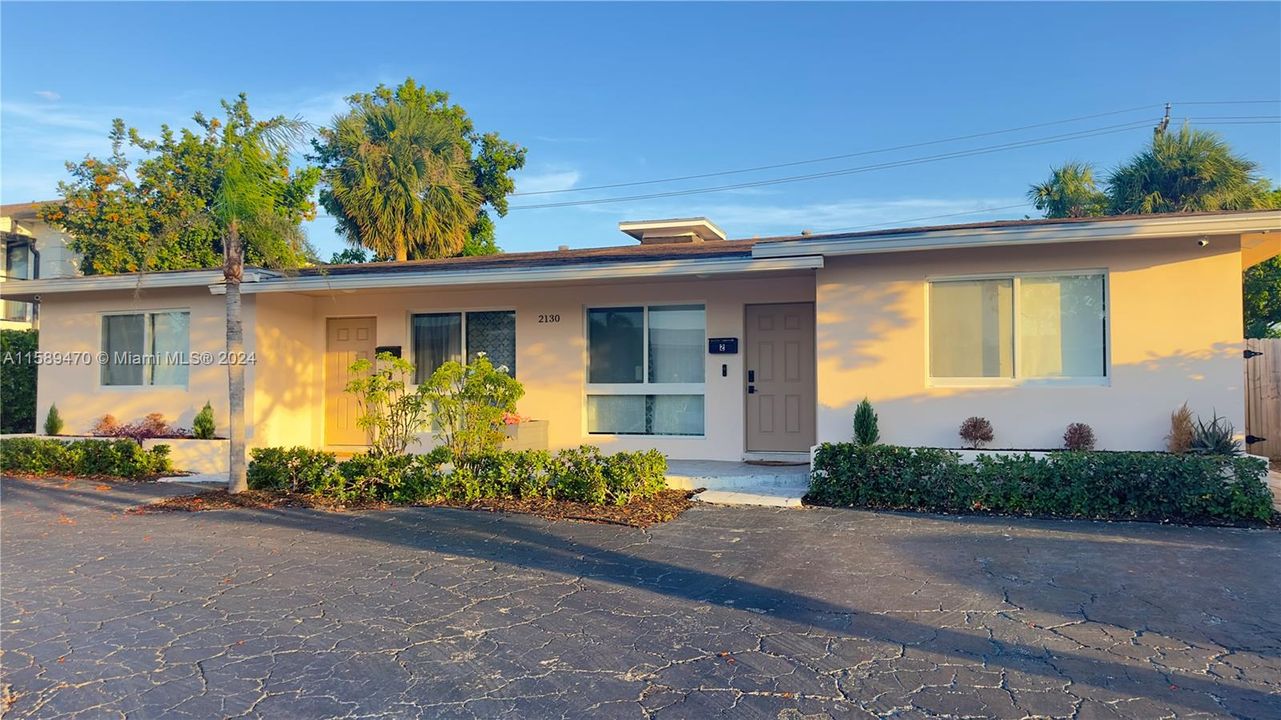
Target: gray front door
(780, 377)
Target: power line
(836, 157)
(1231, 102)
(1106, 130)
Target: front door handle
(751, 389)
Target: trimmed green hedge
(116, 458)
(18, 380)
(1116, 485)
(582, 474)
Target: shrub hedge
(1116, 485)
(116, 458)
(582, 474)
(18, 380)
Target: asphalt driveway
(732, 611)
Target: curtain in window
(122, 340)
(675, 414)
(972, 328)
(493, 333)
(616, 414)
(677, 334)
(169, 344)
(437, 339)
(616, 345)
(1061, 326)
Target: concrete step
(1274, 484)
(771, 496)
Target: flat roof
(664, 259)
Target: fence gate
(1263, 396)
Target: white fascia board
(1172, 226)
(656, 269)
(27, 289)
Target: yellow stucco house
(708, 348)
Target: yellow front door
(346, 341)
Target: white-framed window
(1032, 327)
(645, 370)
(440, 337)
(147, 348)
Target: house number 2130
(549, 318)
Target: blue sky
(603, 94)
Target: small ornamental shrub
(202, 426)
(392, 411)
(1217, 438)
(18, 380)
(866, 424)
(471, 404)
(578, 474)
(53, 421)
(1100, 485)
(976, 432)
(106, 426)
(1182, 431)
(153, 425)
(1078, 436)
(112, 458)
(297, 469)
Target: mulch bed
(642, 512)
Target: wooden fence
(1263, 396)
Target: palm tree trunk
(233, 267)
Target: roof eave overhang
(28, 290)
(586, 272)
(1160, 227)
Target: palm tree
(1069, 192)
(404, 186)
(245, 205)
(1187, 171)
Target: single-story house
(708, 348)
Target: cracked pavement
(743, 612)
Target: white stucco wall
(1175, 336)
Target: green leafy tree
(225, 190)
(1069, 192)
(158, 213)
(1263, 299)
(407, 175)
(349, 256)
(1187, 171)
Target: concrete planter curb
(528, 435)
(203, 457)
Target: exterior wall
(284, 398)
(551, 358)
(72, 324)
(1175, 335)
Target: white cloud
(49, 95)
(528, 182)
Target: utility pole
(1165, 122)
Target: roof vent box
(678, 230)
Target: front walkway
(740, 483)
(735, 612)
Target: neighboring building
(32, 249)
(709, 348)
